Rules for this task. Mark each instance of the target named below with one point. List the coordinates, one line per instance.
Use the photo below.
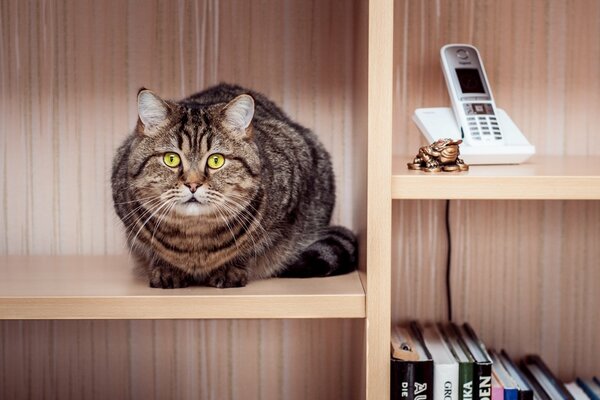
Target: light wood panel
(522, 271)
(379, 163)
(106, 287)
(69, 74)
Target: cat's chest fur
(204, 243)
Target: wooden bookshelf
(106, 287)
(354, 73)
(541, 178)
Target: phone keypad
(484, 128)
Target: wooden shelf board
(106, 287)
(548, 177)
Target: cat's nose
(193, 186)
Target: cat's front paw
(228, 277)
(166, 277)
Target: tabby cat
(221, 188)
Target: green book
(463, 358)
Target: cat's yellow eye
(215, 161)
(172, 160)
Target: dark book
(543, 379)
(590, 387)
(525, 390)
(463, 358)
(411, 365)
(482, 364)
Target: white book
(445, 367)
(576, 391)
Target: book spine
(511, 394)
(402, 380)
(423, 382)
(445, 382)
(465, 381)
(482, 376)
(497, 393)
(526, 394)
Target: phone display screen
(470, 81)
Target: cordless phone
(471, 95)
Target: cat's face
(194, 161)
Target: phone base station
(439, 123)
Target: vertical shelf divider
(379, 205)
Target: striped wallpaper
(71, 71)
(69, 75)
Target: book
(576, 391)
(445, 367)
(411, 366)
(511, 392)
(482, 366)
(463, 358)
(525, 390)
(497, 389)
(543, 379)
(591, 388)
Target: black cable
(448, 261)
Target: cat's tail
(334, 253)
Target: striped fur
(264, 213)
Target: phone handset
(471, 95)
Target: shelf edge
(497, 188)
(266, 307)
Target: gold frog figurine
(440, 155)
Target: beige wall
(69, 75)
(525, 274)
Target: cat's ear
(153, 111)
(238, 114)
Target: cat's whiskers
(240, 213)
(172, 203)
(132, 225)
(155, 207)
(166, 203)
(145, 206)
(154, 200)
(241, 209)
(224, 218)
(242, 205)
(137, 200)
(241, 200)
(246, 224)
(148, 210)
